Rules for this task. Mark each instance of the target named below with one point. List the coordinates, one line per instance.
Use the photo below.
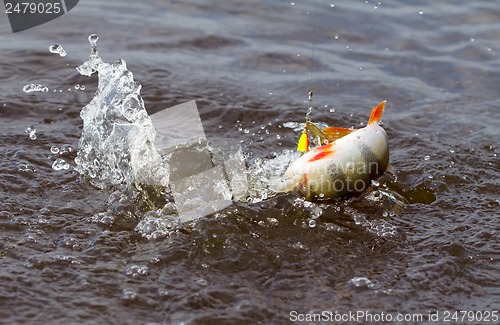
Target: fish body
(345, 166)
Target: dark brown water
(249, 65)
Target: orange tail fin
(377, 113)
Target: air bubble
(35, 87)
(129, 294)
(201, 282)
(54, 150)
(312, 223)
(273, 222)
(57, 49)
(136, 271)
(60, 164)
(427, 157)
(332, 5)
(66, 148)
(332, 110)
(361, 282)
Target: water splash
(60, 164)
(57, 49)
(117, 142)
(35, 88)
(31, 131)
(265, 178)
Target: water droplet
(332, 5)
(278, 136)
(54, 150)
(35, 87)
(129, 294)
(358, 137)
(332, 110)
(312, 223)
(60, 164)
(427, 157)
(77, 87)
(420, 12)
(452, 151)
(31, 131)
(292, 3)
(82, 87)
(246, 130)
(336, 36)
(472, 39)
(375, 183)
(93, 38)
(57, 49)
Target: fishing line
(303, 143)
(313, 45)
(311, 64)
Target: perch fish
(345, 163)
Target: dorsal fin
(377, 113)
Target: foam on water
(117, 142)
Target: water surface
(249, 66)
